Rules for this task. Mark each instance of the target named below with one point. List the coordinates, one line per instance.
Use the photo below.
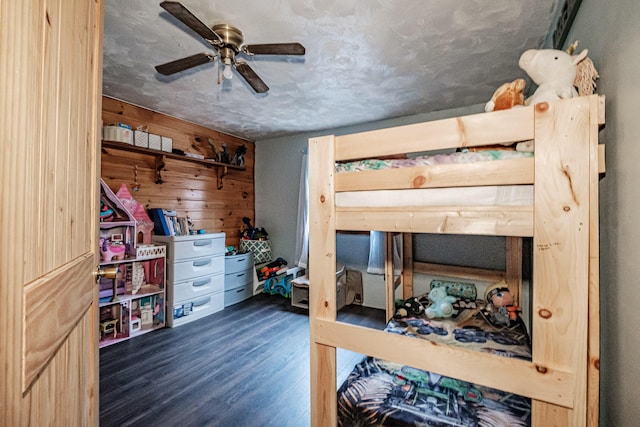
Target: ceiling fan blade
(251, 77)
(186, 17)
(276, 49)
(184, 63)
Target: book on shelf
(166, 222)
(160, 226)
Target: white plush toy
(554, 71)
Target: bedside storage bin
(203, 266)
(155, 141)
(195, 288)
(188, 311)
(234, 296)
(261, 250)
(193, 246)
(195, 276)
(167, 144)
(118, 134)
(236, 263)
(140, 139)
(238, 278)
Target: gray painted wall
(610, 31)
(277, 178)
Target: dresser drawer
(188, 311)
(194, 246)
(240, 278)
(236, 295)
(206, 266)
(195, 288)
(236, 263)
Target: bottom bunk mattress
(382, 393)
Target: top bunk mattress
(480, 195)
(431, 160)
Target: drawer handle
(240, 275)
(205, 242)
(240, 290)
(201, 301)
(201, 262)
(201, 282)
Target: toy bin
(261, 250)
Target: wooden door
(50, 95)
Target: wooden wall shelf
(166, 154)
(162, 155)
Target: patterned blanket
(458, 157)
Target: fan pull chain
(136, 184)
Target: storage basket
(261, 250)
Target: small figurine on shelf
(238, 158)
(217, 154)
(501, 304)
(225, 157)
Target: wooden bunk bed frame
(562, 379)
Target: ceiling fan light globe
(226, 72)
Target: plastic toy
(410, 307)
(502, 304)
(110, 250)
(507, 96)
(106, 213)
(272, 269)
(441, 303)
(252, 233)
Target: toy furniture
(108, 327)
(561, 377)
(141, 275)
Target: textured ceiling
(366, 60)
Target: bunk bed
(561, 378)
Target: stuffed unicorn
(554, 71)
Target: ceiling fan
(228, 42)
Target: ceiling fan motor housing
(231, 36)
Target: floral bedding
(438, 159)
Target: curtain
(302, 228)
(376, 238)
(376, 253)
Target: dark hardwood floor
(247, 365)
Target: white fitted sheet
(507, 195)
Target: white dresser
(195, 276)
(238, 278)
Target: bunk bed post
(322, 279)
(389, 281)
(407, 265)
(561, 251)
(593, 370)
(513, 267)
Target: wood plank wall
(188, 187)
